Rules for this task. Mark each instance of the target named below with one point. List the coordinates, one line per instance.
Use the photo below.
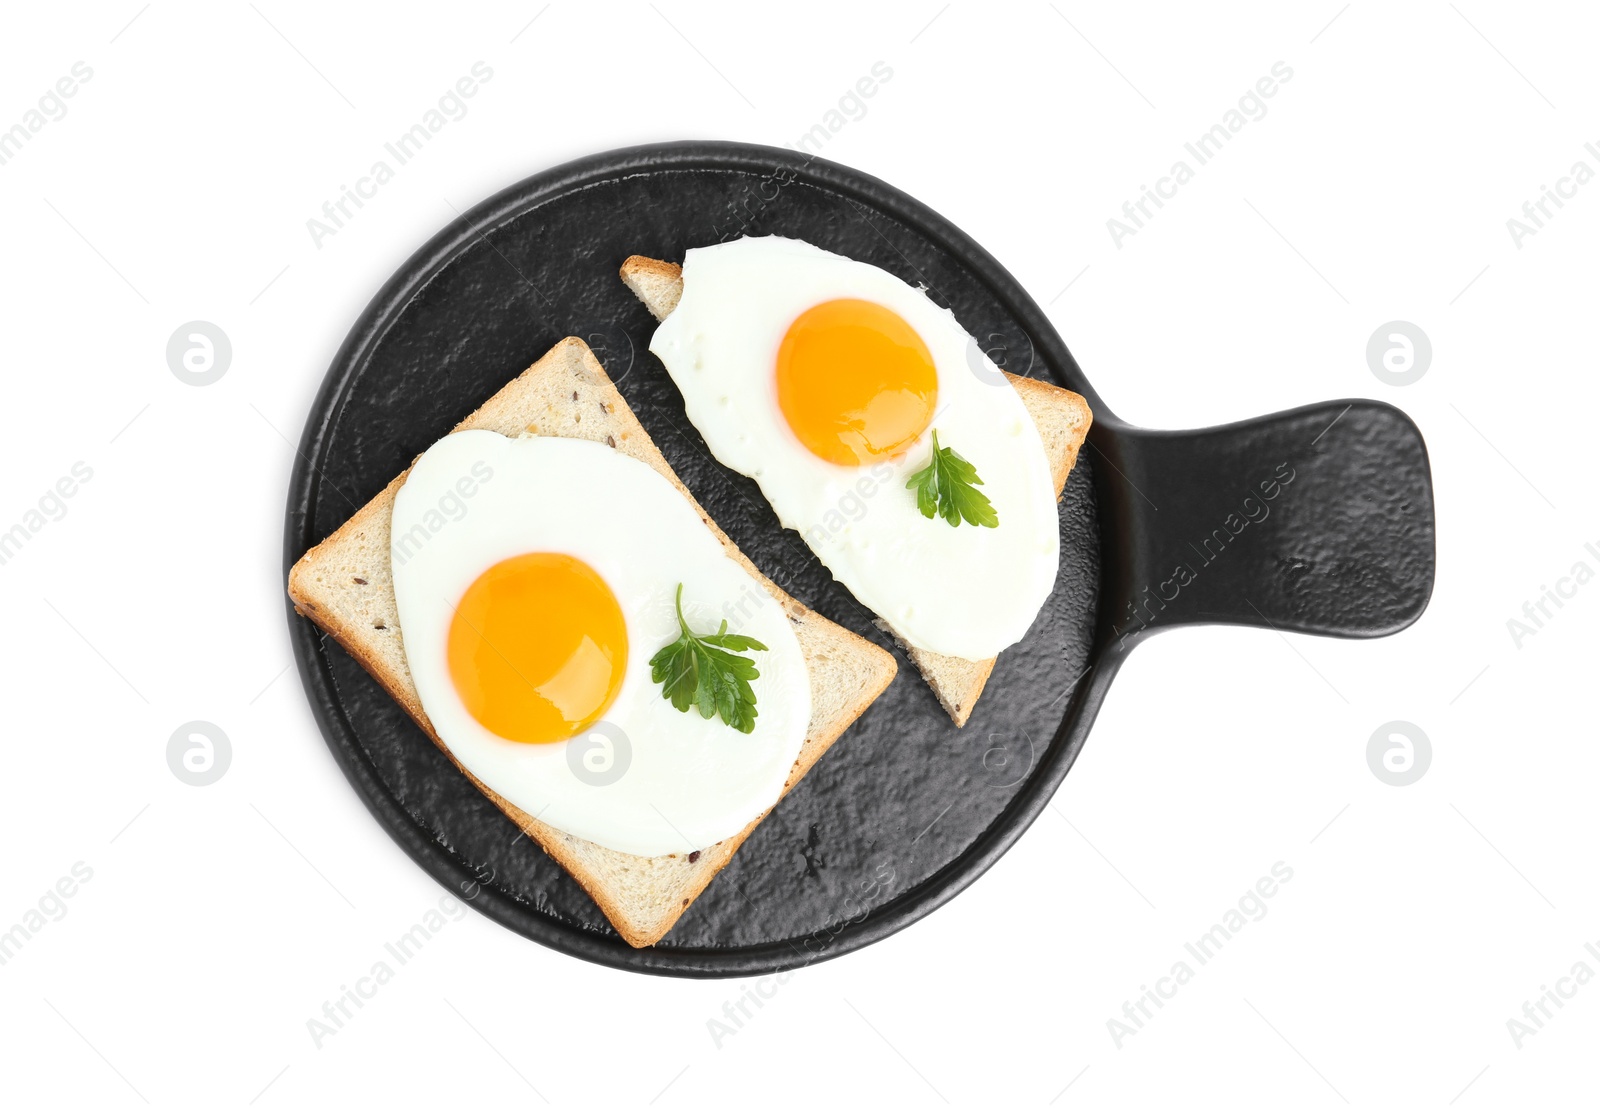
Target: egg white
(476, 498)
(965, 591)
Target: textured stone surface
(906, 810)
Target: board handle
(1315, 520)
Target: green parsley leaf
(704, 671)
(946, 488)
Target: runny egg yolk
(855, 382)
(537, 647)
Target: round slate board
(906, 809)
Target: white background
(219, 920)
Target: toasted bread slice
(344, 584)
(1061, 416)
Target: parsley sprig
(704, 671)
(946, 488)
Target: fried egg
(535, 578)
(824, 379)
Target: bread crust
(344, 586)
